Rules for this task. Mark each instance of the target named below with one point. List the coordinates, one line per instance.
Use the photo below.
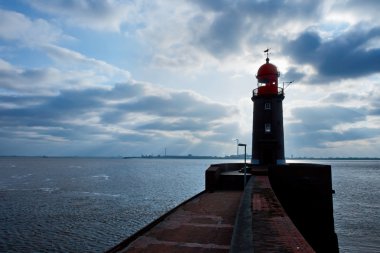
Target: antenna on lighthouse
(288, 83)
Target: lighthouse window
(267, 106)
(267, 128)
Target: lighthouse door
(267, 157)
(268, 154)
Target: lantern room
(267, 77)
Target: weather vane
(267, 52)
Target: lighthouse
(268, 130)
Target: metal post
(245, 161)
(237, 148)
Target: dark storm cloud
(316, 126)
(303, 48)
(369, 99)
(235, 22)
(323, 139)
(374, 108)
(269, 8)
(93, 113)
(176, 125)
(214, 5)
(324, 118)
(13, 79)
(51, 109)
(364, 8)
(73, 103)
(125, 90)
(338, 97)
(345, 56)
(224, 34)
(48, 110)
(21, 101)
(178, 104)
(292, 75)
(91, 99)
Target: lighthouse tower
(268, 131)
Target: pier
(228, 217)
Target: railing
(263, 90)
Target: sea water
(91, 204)
(357, 205)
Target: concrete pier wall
(226, 176)
(305, 192)
(269, 227)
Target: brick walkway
(204, 224)
(273, 231)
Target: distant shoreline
(231, 157)
(234, 157)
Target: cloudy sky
(110, 78)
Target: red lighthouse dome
(267, 77)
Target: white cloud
(70, 59)
(131, 112)
(353, 12)
(105, 15)
(44, 81)
(29, 81)
(16, 26)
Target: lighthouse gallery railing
(256, 92)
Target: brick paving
(205, 224)
(273, 231)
